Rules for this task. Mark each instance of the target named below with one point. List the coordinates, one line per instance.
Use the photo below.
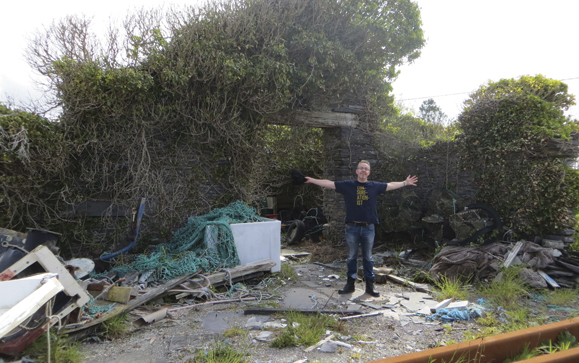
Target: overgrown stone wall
(436, 167)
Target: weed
(449, 288)
(233, 332)
(220, 354)
(61, 350)
(527, 353)
(447, 328)
(488, 320)
(547, 347)
(305, 330)
(519, 315)
(566, 340)
(508, 290)
(287, 272)
(562, 297)
(115, 327)
(461, 359)
(286, 339)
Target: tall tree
(430, 112)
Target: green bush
(506, 127)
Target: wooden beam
(319, 119)
(414, 285)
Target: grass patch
(234, 332)
(61, 350)
(287, 272)
(221, 353)
(488, 320)
(448, 288)
(562, 297)
(305, 330)
(506, 292)
(527, 353)
(115, 327)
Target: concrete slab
(215, 321)
(418, 301)
(301, 298)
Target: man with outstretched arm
(361, 197)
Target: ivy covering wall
(173, 106)
(507, 130)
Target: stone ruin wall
(436, 167)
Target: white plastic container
(258, 241)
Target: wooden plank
(309, 349)
(514, 252)
(380, 312)
(319, 119)
(235, 272)
(414, 285)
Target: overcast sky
(469, 42)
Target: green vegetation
(287, 272)
(115, 327)
(186, 96)
(447, 288)
(562, 297)
(61, 350)
(221, 353)
(525, 354)
(508, 291)
(506, 129)
(565, 341)
(234, 332)
(305, 330)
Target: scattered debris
(301, 311)
(327, 339)
(33, 298)
(362, 315)
(414, 285)
(441, 305)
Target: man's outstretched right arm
(325, 183)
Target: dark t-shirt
(361, 199)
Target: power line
(421, 98)
(461, 93)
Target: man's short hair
(364, 162)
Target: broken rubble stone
(566, 239)
(532, 278)
(549, 243)
(329, 347)
(565, 232)
(254, 323)
(274, 324)
(264, 336)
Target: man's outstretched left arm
(410, 180)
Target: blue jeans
(355, 237)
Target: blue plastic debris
(448, 315)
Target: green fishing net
(204, 244)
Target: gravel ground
(399, 330)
